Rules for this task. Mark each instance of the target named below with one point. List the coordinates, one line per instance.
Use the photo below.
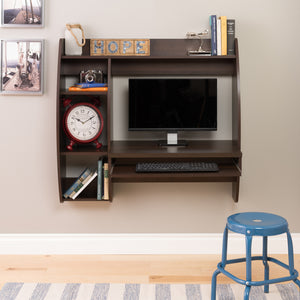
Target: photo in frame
(22, 13)
(22, 67)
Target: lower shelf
(227, 173)
(85, 200)
(88, 194)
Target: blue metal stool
(255, 224)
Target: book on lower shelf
(100, 191)
(77, 182)
(102, 181)
(106, 181)
(83, 184)
(86, 177)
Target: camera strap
(76, 26)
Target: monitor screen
(173, 104)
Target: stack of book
(222, 35)
(86, 177)
(88, 87)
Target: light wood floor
(124, 268)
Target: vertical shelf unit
(72, 163)
(168, 58)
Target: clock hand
(88, 119)
(78, 120)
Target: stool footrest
(257, 283)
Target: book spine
(85, 85)
(91, 89)
(86, 182)
(106, 179)
(78, 188)
(213, 26)
(100, 180)
(223, 35)
(230, 36)
(79, 179)
(219, 45)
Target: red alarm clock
(83, 123)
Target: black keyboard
(152, 167)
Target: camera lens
(90, 77)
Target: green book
(100, 180)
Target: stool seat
(257, 223)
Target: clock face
(83, 123)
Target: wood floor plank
(124, 268)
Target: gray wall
(270, 70)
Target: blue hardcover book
(213, 27)
(100, 180)
(86, 85)
(79, 179)
(84, 184)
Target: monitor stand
(172, 140)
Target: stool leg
(265, 262)
(247, 292)
(291, 252)
(291, 256)
(297, 282)
(224, 261)
(214, 284)
(224, 248)
(248, 266)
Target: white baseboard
(137, 244)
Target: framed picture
(22, 67)
(22, 13)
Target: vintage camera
(91, 76)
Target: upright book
(100, 180)
(106, 179)
(230, 36)
(219, 45)
(223, 35)
(213, 28)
